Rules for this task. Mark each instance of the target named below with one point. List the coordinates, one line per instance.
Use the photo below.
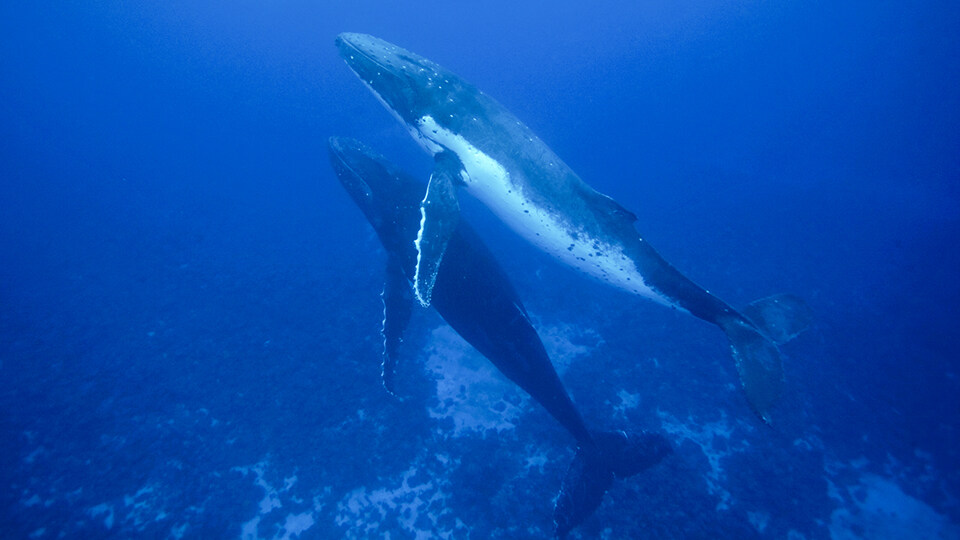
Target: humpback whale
(479, 146)
(474, 297)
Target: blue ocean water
(189, 301)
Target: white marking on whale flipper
(490, 182)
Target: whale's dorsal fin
(439, 215)
(397, 308)
(610, 206)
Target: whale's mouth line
(356, 180)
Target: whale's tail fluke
(753, 341)
(615, 455)
(780, 317)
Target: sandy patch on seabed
(873, 506)
(876, 506)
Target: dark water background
(189, 302)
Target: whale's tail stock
(593, 470)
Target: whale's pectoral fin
(439, 215)
(397, 308)
(780, 317)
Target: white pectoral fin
(439, 215)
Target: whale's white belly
(490, 182)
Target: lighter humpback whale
(480, 147)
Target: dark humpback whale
(474, 297)
(480, 146)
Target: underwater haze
(190, 308)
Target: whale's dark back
(472, 292)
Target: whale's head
(408, 84)
(380, 191)
(355, 168)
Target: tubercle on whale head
(385, 69)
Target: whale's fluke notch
(397, 309)
(439, 215)
(593, 469)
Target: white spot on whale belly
(488, 180)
